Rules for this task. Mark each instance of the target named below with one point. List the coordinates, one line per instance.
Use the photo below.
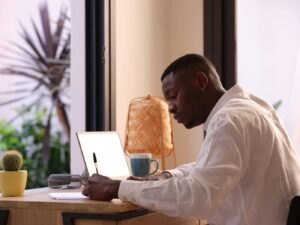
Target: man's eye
(173, 95)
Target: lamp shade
(149, 127)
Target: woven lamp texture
(149, 127)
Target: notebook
(111, 160)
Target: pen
(95, 162)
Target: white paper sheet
(67, 195)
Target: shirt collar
(236, 89)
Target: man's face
(184, 97)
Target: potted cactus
(12, 178)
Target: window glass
(268, 55)
(35, 85)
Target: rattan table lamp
(149, 129)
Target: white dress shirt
(246, 173)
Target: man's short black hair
(184, 61)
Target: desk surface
(36, 208)
(39, 199)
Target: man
(247, 170)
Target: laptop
(111, 160)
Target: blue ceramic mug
(141, 163)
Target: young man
(247, 170)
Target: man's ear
(201, 79)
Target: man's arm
(222, 163)
(180, 171)
(161, 176)
(101, 188)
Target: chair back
(294, 212)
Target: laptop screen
(109, 152)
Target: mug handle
(156, 167)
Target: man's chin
(188, 125)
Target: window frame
(98, 79)
(220, 38)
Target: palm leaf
(277, 104)
(20, 83)
(15, 91)
(34, 59)
(34, 47)
(10, 71)
(65, 53)
(14, 100)
(59, 30)
(27, 68)
(20, 63)
(41, 41)
(46, 29)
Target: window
(35, 85)
(268, 56)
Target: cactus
(12, 160)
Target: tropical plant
(277, 104)
(44, 58)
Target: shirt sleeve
(216, 172)
(182, 170)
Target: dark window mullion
(95, 77)
(219, 38)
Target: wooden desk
(37, 208)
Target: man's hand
(161, 176)
(101, 188)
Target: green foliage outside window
(277, 104)
(28, 138)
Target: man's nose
(172, 108)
